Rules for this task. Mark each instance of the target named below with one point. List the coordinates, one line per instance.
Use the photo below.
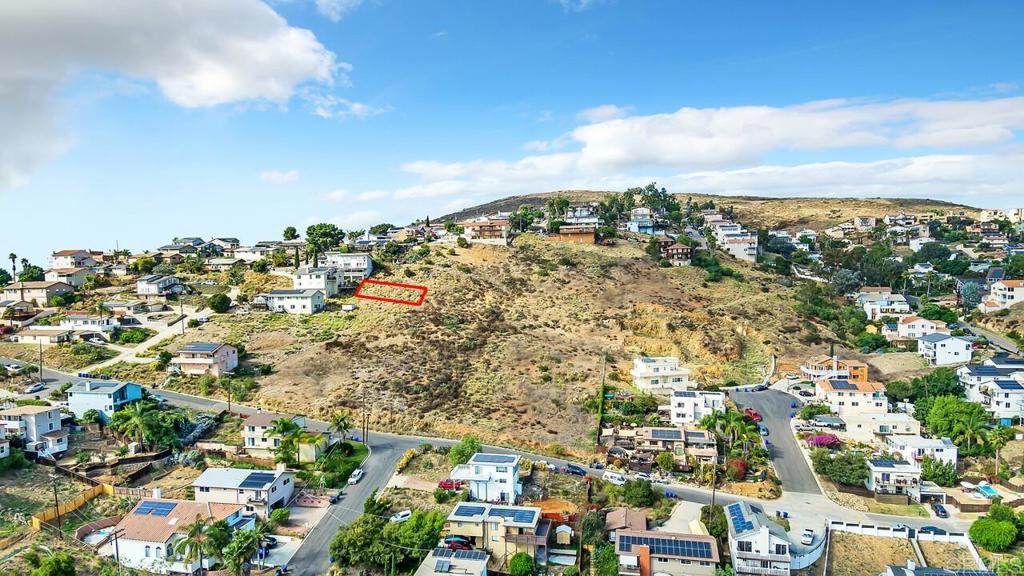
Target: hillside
(509, 340)
(814, 213)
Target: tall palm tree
(746, 433)
(341, 422)
(997, 438)
(197, 543)
(970, 430)
(135, 421)
(290, 433)
(14, 266)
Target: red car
(449, 484)
(752, 414)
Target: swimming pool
(97, 535)
(988, 491)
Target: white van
(614, 478)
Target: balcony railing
(742, 569)
(760, 556)
(528, 539)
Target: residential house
(38, 427)
(125, 307)
(154, 256)
(1004, 360)
(445, 562)
(1003, 294)
(689, 406)
(182, 249)
(260, 442)
(148, 535)
(252, 253)
(878, 305)
(158, 285)
(228, 244)
(585, 214)
(40, 293)
(5, 448)
(742, 245)
(829, 367)
(943, 350)
(757, 545)
(912, 569)
(223, 264)
(351, 268)
(1000, 389)
(894, 423)
(681, 442)
(864, 223)
(72, 276)
(576, 233)
(205, 358)
(624, 519)
(491, 477)
(43, 336)
(294, 301)
(659, 373)
(501, 530)
(641, 221)
(91, 326)
(486, 230)
(104, 396)
(172, 258)
(893, 477)
(914, 448)
(854, 402)
(210, 250)
(650, 553)
(258, 491)
(914, 327)
(189, 241)
(324, 279)
(679, 254)
(72, 259)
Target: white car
(401, 516)
(614, 478)
(356, 476)
(12, 367)
(642, 476)
(807, 538)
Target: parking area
(281, 554)
(302, 519)
(790, 464)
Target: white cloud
(341, 194)
(603, 113)
(372, 195)
(335, 10)
(332, 106)
(337, 195)
(279, 177)
(198, 53)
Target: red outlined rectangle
(418, 302)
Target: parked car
(269, 542)
(455, 538)
(940, 510)
(760, 388)
(34, 388)
(459, 545)
(806, 393)
(158, 399)
(642, 476)
(575, 470)
(449, 484)
(807, 538)
(12, 367)
(932, 530)
(614, 478)
(752, 414)
(597, 466)
(762, 429)
(401, 516)
(356, 476)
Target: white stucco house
(689, 406)
(258, 491)
(294, 301)
(913, 448)
(158, 285)
(324, 279)
(351, 267)
(660, 374)
(38, 426)
(491, 477)
(757, 545)
(943, 350)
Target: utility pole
(229, 398)
(40, 362)
(56, 502)
(182, 310)
(117, 552)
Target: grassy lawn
(132, 372)
(334, 468)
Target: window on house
(147, 552)
(745, 546)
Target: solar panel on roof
(843, 385)
(256, 480)
(200, 347)
(149, 507)
(494, 458)
(667, 546)
(516, 515)
(1009, 385)
(468, 511)
(666, 434)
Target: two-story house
(831, 367)
(486, 230)
(104, 396)
(149, 534)
(294, 301)
(878, 305)
(943, 350)
(351, 268)
(158, 285)
(198, 358)
(491, 477)
(650, 553)
(38, 426)
(660, 374)
(324, 279)
(501, 530)
(757, 545)
(72, 259)
(893, 477)
(679, 254)
(90, 326)
(1003, 294)
(914, 448)
(40, 293)
(894, 423)
(689, 406)
(258, 491)
(914, 327)
(260, 442)
(72, 276)
(444, 562)
(848, 398)
(683, 443)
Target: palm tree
(970, 430)
(135, 421)
(14, 266)
(997, 438)
(746, 432)
(341, 421)
(240, 551)
(290, 433)
(198, 543)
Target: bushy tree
(715, 521)
(946, 412)
(521, 564)
(665, 462)
(606, 559)
(942, 473)
(638, 493)
(871, 341)
(592, 530)
(993, 535)
(56, 564)
(937, 312)
(321, 238)
(219, 303)
(461, 453)
(971, 295)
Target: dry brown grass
(947, 555)
(857, 555)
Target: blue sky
(238, 118)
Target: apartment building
(491, 477)
(104, 396)
(205, 358)
(486, 230)
(38, 426)
(659, 374)
(689, 406)
(501, 530)
(258, 491)
(757, 545)
(650, 553)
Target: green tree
(320, 238)
(949, 415)
(871, 341)
(993, 535)
(665, 461)
(219, 303)
(91, 416)
(997, 438)
(290, 233)
(714, 520)
(341, 422)
(942, 473)
(197, 544)
(56, 564)
(191, 264)
(606, 560)
(240, 550)
(382, 228)
(279, 517)
(521, 564)
(136, 421)
(5, 277)
(971, 295)
(289, 432)
(638, 493)
(592, 530)
(557, 206)
(464, 450)
(937, 312)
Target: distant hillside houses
(732, 237)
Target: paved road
(790, 464)
(1000, 341)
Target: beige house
(40, 292)
(38, 426)
(259, 442)
(72, 276)
(501, 530)
(43, 336)
(199, 358)
(259, 491)
(650, 553)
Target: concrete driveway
(790, 464)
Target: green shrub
(993, 535)
(219, 303)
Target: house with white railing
(660, 374)
(914, 448)
(689, 406)
(491, 477)
(756, 545)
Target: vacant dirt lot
(856, 555)
(947, 555)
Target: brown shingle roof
(263, 419)
(149, 528)
(625, 519)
